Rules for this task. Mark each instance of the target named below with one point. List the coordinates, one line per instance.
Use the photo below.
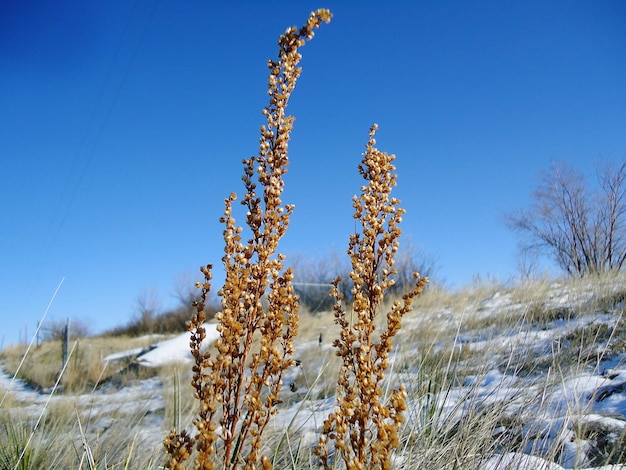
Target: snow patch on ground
(166, 352)
(552, 407)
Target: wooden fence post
(65, 341)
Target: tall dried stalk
(238, 389)
(363, 427)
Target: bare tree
(613, 210)
(147, 310)
(55, 330)
(412, 258)
(184, 291)
(313, 274)
(583, 230)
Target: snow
(551, 403)
(174, 350)
(519, 462)
(124, 354)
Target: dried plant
(238, 389)
(363, 426)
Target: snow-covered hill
(549, 366)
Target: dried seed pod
(364, 429)
(238, 389)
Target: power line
(71, 190)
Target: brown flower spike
(364, 428)
(238, 389)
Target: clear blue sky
(123, 126)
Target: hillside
(521, 377)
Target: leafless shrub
(583, 230)
(56, 330)
(313, 275)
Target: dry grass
(66, 426)
(86, 367)
(446, 425)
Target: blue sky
(124, 125)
